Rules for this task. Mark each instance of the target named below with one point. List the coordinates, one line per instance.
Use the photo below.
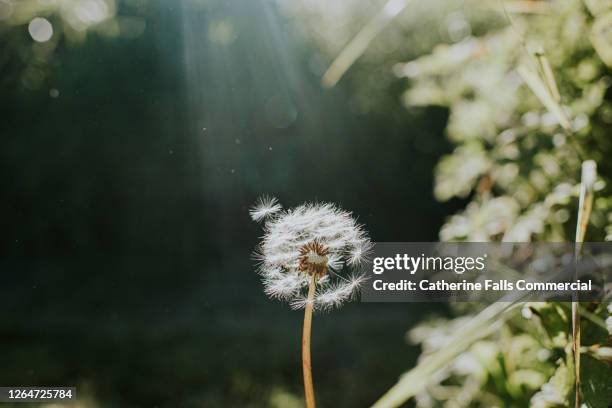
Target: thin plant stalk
(543, 93)
(306, 362)
(548, 74)
(357, 46)
(589, 173)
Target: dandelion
(309, 257)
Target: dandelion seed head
(316, 240)
(265, 207)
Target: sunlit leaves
(524, 123)
(601, 37)
(457, 174)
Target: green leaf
(601, 37)
(596, 383)
(557, 391)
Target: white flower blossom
(312, 241)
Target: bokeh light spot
(92, 11)
(40, 29)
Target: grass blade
(480, 326)
(548, 75)
(357, 46)
(585, 205)
(540, 89)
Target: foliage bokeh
(520, 164)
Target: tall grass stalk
(543, 92)
(357, 46)
(585, 205)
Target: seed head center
(313, 259)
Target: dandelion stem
(306, 364)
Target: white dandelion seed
(314, 241)
(360, 254)
(264, 208)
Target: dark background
(126, 241)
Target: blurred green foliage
(520, 167)
(529, 103)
